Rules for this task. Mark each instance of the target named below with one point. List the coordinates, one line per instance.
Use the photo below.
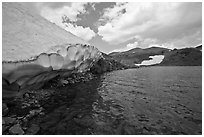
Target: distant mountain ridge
(176, 57)
(137, 55)
(199, 47)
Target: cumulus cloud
(127, 47)
(191, 40)
(163, 21)
(139, 43)
(84, 33)
(187, 41)
(71, 11)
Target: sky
(118, 26)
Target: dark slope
(183, 57)
(199, 47)
(137, 55)
(106, 64)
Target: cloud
(162, 21)
(84, 33)
(54, 5)
(139, 43)
(70, 11)
(55, 13)
(186, 41)
(191, 40)
(127, 47)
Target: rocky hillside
(183, 57)
(106, 64)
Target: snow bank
(78, 58)
(35, 50)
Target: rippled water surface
(151, 100)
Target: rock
(25, 120)
(80, 115)
(33, 129)
(128, 130)
(24, 128)
(37, 105)
(3, 122)
(85, 121)
(16, 130)
(9, 120)
(19, 117)
(42, 113)
(31, 102)
(4, 128)
(24, 105)
(26, 95)
(36, 111)
(41, 108)
(5, 109)
(32, 112)
(35, 101)
(64, 81)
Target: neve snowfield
(36, 50)
(27, 34)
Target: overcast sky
(122, 26)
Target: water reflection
(71, 112)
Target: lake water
(149, 100)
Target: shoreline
(18, 112)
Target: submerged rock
(8, 120)
(16, 130)
(85, 121)
(3, 122)
(4, 128)
(5, 109)
(33, 129)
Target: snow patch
(155, 60)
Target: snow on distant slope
(155, 60)
(26, 34)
